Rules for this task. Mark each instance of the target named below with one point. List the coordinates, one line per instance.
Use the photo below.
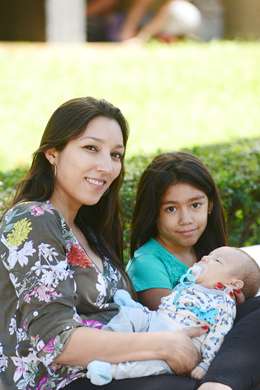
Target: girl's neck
(185, 254)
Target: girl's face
(183, 216)
(88, 164)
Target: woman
(61, 261)
(178, 218)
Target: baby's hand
(198, 373)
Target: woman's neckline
(96, 266)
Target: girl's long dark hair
(165, 170)
(66, 123)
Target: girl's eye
(92, 148)
(117, 156)
(196, 205)
(170, 209)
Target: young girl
(178, 218)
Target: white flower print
(3, 359)
(21, 334)
(38, 267)
(14, 280)
(26, 367)
(42, 293)
(12, 258)
(62, 270)
(49, 253)
(54, 274)
(50, 275)
(12, 325)
(26, 251)
(101, 288)
(20, 256)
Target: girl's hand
(179, 352)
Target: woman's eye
(92, 148)
(196, 205)
(117, 156)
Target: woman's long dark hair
(65, 124)
(165, 170)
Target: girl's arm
(175, 348)
(152, 297)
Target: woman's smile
(96, 182)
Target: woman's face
(88, 164)
(183, 216)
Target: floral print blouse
(48, 287)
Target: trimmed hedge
(235, 167)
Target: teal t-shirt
(153, 266)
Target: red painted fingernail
(219, 285)
(205, 327)
(237, 291)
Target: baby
(204, 296)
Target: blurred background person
(145, 19)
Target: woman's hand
(198, 373)
(180, 353)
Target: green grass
(173, 95)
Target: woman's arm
(175, 348)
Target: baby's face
(219, 266)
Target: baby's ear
(237, 284)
